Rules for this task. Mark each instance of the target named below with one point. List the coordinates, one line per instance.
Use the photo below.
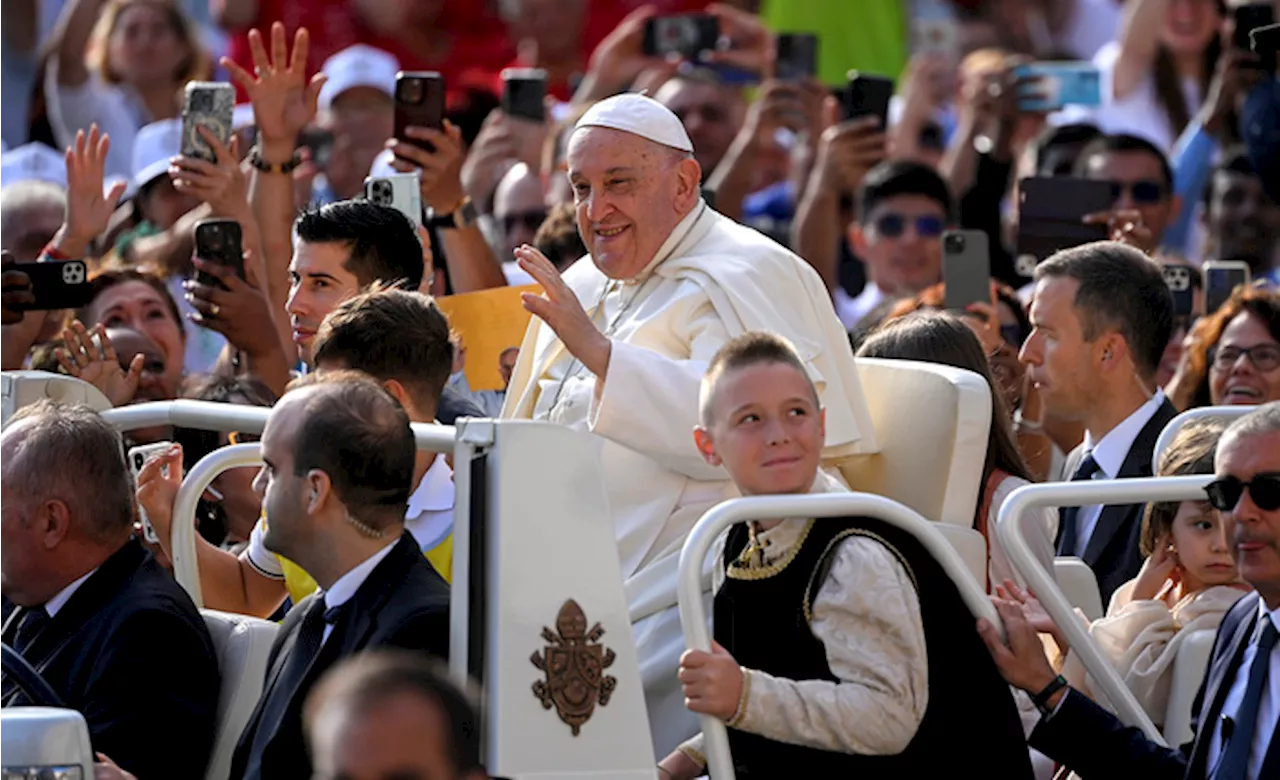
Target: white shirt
(1110, 454)
(1268, 707)
(1139, 112)
(430, 514)
(346, 586)
(852, 310)
(60, 599)
(117, 110)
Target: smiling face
(144, 47)
(140, 307)
(1236, 378)
(1255, 531)
(629, 193)
(765, 426)
(900, 240)
(1189, 26)
(318, 282)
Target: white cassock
(711, 280)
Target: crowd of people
(707, 245)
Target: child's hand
(1156, 570)
(712, 682)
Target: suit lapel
(1222, 672)
(1137, 463)
(361, 620)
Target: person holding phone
(357, 106)
(1141, 181)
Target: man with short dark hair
(94, 612)
(1140, 176)
(710, 110)
(385, 715)
(1101, 317)
(338, 458)
(1242, 220)
(903, 207)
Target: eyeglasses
(1144, 192)
(1225, 493)
(894, 225)
(236, 437)
(1264, 357)
(532, 220)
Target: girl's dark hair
(937, 337)
(1190, 452)
(1168, 85)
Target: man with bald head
(518, 208)
(338, 459)
(618, 347)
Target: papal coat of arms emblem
(574, 663)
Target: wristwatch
(463, 215)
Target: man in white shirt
(1238, 705)
(339, 463)
(1101, 316)
(620, 343)
(903, 207)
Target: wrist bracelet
(1041, 699)
(53, 253)
(255, 159)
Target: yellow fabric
(300, 584)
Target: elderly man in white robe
(619, 344)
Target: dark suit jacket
(131, 653)
(1112, 551)
(403, 603)
(1094, 743)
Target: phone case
(420, 99)
(1061, 84)
(797, 56)
(208, 104)
(1221, 278)
(523, 93)
(1051, 213)
(687, 35)
(219, 240)
(1179, 281)
(59, 284)
(966, 268)
(138, 457)
(400, 192)
(868, 96)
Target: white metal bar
(1229, 413)
(182, 535)
(1009, 529)
(693, 619)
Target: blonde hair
(195, 67)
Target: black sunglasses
(1225, 493)
(894, 225)
(1143, 192)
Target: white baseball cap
(242, 116)
(33, 161)
(639, 115)
(358, 66)
(153, 147)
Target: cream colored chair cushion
(243, 644)
(1079, 585)
(932, 425)
(1188, 672)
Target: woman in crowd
(1187, 584)
(120, 64)
(936, 337)
(1234, 354)
(1157, 74)
(135, 299)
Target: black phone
(867, 95)
(1051, 216)
(57, 284)
(218, 240)
(687, 35)
(420, 99)
(797, 56)
(1221, 278)
(524, 91)
(1179, 279)
(966, 268)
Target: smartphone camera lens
(954, 244)
(409, 91)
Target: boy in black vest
(841, 647)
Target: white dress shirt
(1268, 708)
(60, 599)
(852, 310)
(347, 585)
(1110, 454)
(430, 514)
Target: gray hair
(18, 200)
(1263, 420)
(70, 454)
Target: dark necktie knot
(30, 625)
(334, 614)
(1087, 468)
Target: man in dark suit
(93, 612)
(1236, 712)
(1102, 316)
(339, 461)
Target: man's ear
(319, 491)
(822, 423)
(1113, 352)
(857, 236)
(53, 520)
(401, 395)
(689, 176)
(707, 448)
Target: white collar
(1111, 451)
(434, 492)
(1267, 614)
(53, 605)
(349, 583)
(669, 246)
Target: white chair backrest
(1188, 673)
(932, 424)
(1225, 413)
(243, 645)
(23, 388)
(970, 546)
(1080, 585)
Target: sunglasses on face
(1225, 493)
(1143, 192)
(532, 220)
(1264, 357)
(894, 225)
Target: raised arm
(1139, 40)
(71, 38)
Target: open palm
(97, 363)
(284, 101)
